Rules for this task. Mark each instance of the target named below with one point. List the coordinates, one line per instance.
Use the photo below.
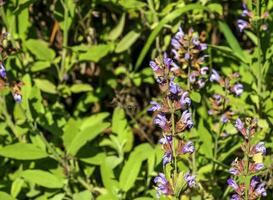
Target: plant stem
(173, 140)
(246, 169)
(260, 66)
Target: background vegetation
(82, 130)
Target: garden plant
(136, 99)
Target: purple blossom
(260, 190)
(185, 99)
(162, 185)
(179, 35)
(155, 106)
(235, 197)
(245, 12)
(224, 118)
(167, 158)
(202, 46)
(255, 180)
(214, 76)
(234, 171)
(154, 66)
(188, 148)
(161, 120)
(3, 72)
(186, 119)
(259, 166)
(190, 179)
(232, 184)
(166, 140)
(175, 43)
(174, 88)
(174, 67)
(204, 70)
(217, 98)
(239, 124)
(187, 56)
(192, 77)
(260, 148)
(242, 24)
(238, 89)
(201, 83)
(176, 54)
(195, 40)
(17, 97)
(167, 61)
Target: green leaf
(132, 167)
(116, 32)
(5, 196)
(121, 127)
(127, 41)
(40, 49)
(84, 195)
(95, 52)
(216, 7)
(45, 86)
(84, 134)
(81, 87)
(16, 187)
(42, 178)
(206, 140)
(40, 65)
(195, 96)
(131, 4)
(168, 18)
(232, 41)
(22, 151)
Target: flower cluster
(172, 113)
(248, 167)
(249, 19)
(16, 88)
(219, 102)
(188, 50)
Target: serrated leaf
(127, 41)
(22, 151)
(42, 178)
(40, 49)
(45, 86)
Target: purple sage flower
(204, 70)
(190, 179)
(161, 120)
(232, 184)
(242, 24)
(239, 124)
(234, 171)
(259, 166)
(17, 97)
(167, 61)
(214, 76)
(174, 88)
(260, 190)
(201, 83)
(166, 140)
(188, 148)
(155, 106)
(238, 89)
(167, 158)
(260, 148)
(202, 46)
(179, 35)
(162, 185)
(187, 56)
(3, 72)
(255, 180)
(175, 43)
(246, 12)
(186, 119)
(154, 66)
(195, 40)
(235, 197)
(185, 99)
(224, 118)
